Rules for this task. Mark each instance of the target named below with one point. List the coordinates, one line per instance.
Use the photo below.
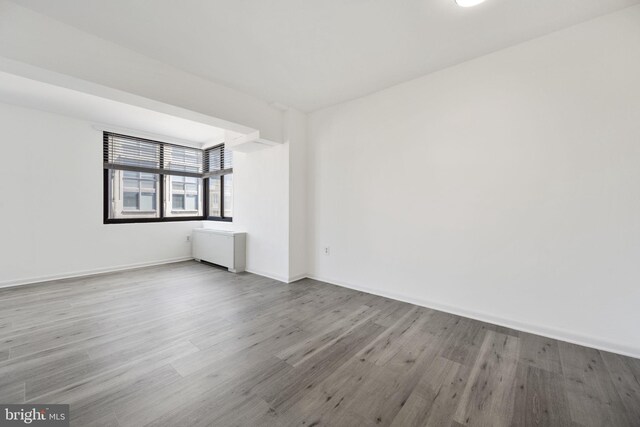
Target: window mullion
(221, 195)
(221, 189)
(161, 198)
(205, 198)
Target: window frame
(116, 186)
(161, 184)
(222, 217)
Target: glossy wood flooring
(188, 344)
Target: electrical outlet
(327, 250)
(188, 238)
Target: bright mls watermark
(34, 415)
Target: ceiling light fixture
(469, 3)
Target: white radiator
(225, 248)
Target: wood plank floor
(189, 344)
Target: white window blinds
(218, 161)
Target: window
(139, 191)
(184, 196)
(219, 170)
(148, 181)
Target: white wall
(505, 188)
(270, 203)
(296, 136)
(261, 203)
(51, 205)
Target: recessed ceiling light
(469, 3)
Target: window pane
(184, 196)
(177, 202)
(132, 197)
(147, 201)
(131, 184)
(148, 186)
(214, 196)
(191, 203)
(130, 200)
(228, 195)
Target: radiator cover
(225, 248)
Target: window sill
(132, 212)
(221, 219)
(179, 212)
(133, 220)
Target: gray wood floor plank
(488, 398)
(435, 396)
(314, 370)
(108, 420)
(296, 354)
(191, 344)
(541, 398)
(12, 392)
(190, 392)
(117, 378)
(110, 399)
(327, 402)
(387, 344)
(625, 375)
(393, 386)
(593, 399)
(540, 352)
(464, 340)
(392, 312)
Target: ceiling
(310, 54)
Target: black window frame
(161, 189)
(221, 194)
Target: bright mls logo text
(36, 415)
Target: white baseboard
(279, 278)
(80, 273)
(269, 275)
(296, 278)
(558, 334)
